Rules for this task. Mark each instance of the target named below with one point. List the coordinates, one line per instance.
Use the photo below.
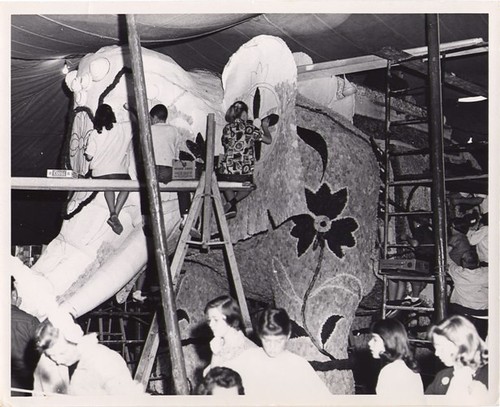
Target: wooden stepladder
(207, 194)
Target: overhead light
(65, 69)
(470, 141)
(471, 99)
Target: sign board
(183, 170)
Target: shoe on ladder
(230, 210)
(115, 223)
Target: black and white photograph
(250, 203)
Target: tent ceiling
(40, 44)
(207, 40)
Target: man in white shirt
(469, 297)
(166, 147)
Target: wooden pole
(159, 237)
(209, 169)
(438, 197)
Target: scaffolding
(435, 179)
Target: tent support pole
(438, 197)
(160, 240)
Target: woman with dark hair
(272, 371)
(465, 355)
(225, 321)
(238, 139)
(399, 376)
(108, 149)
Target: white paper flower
(70, 77)
(99, 69)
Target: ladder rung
(400, 182)
(429, 180)
(408, 122)
(197, 243)
(406, 245)
(427, 341)
(408, 91)
(122, 342)
(399, 245)
(413, 213)
(408, 308)
(409, 277)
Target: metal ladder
(395, 58)
(391, 273)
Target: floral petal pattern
(323, 202)
(317, 142)
(337, 203)
(304, 231)
(323, 226)
(185, 156)
(341, 235)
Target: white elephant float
(303, 239)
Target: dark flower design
(323, 225)
(197, 150)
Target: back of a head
(395, 338)
(461, 225)
(274, 322)
(104, 118)
(220, 377)
(160, 112)
(472, 350)
(230, 309)
(470, 259)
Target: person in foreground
(98, 370)
(23, 355)
(225, 321)
(221, 381)
(465, 355)
(272, 371)
(398, 376)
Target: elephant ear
(329, 327)
(316, 141)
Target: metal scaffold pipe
(438, 196)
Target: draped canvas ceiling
(41, 44)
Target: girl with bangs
(224, 319)
(465, 355)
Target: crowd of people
(467, 267)
(263, 367)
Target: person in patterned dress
(237, 163)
